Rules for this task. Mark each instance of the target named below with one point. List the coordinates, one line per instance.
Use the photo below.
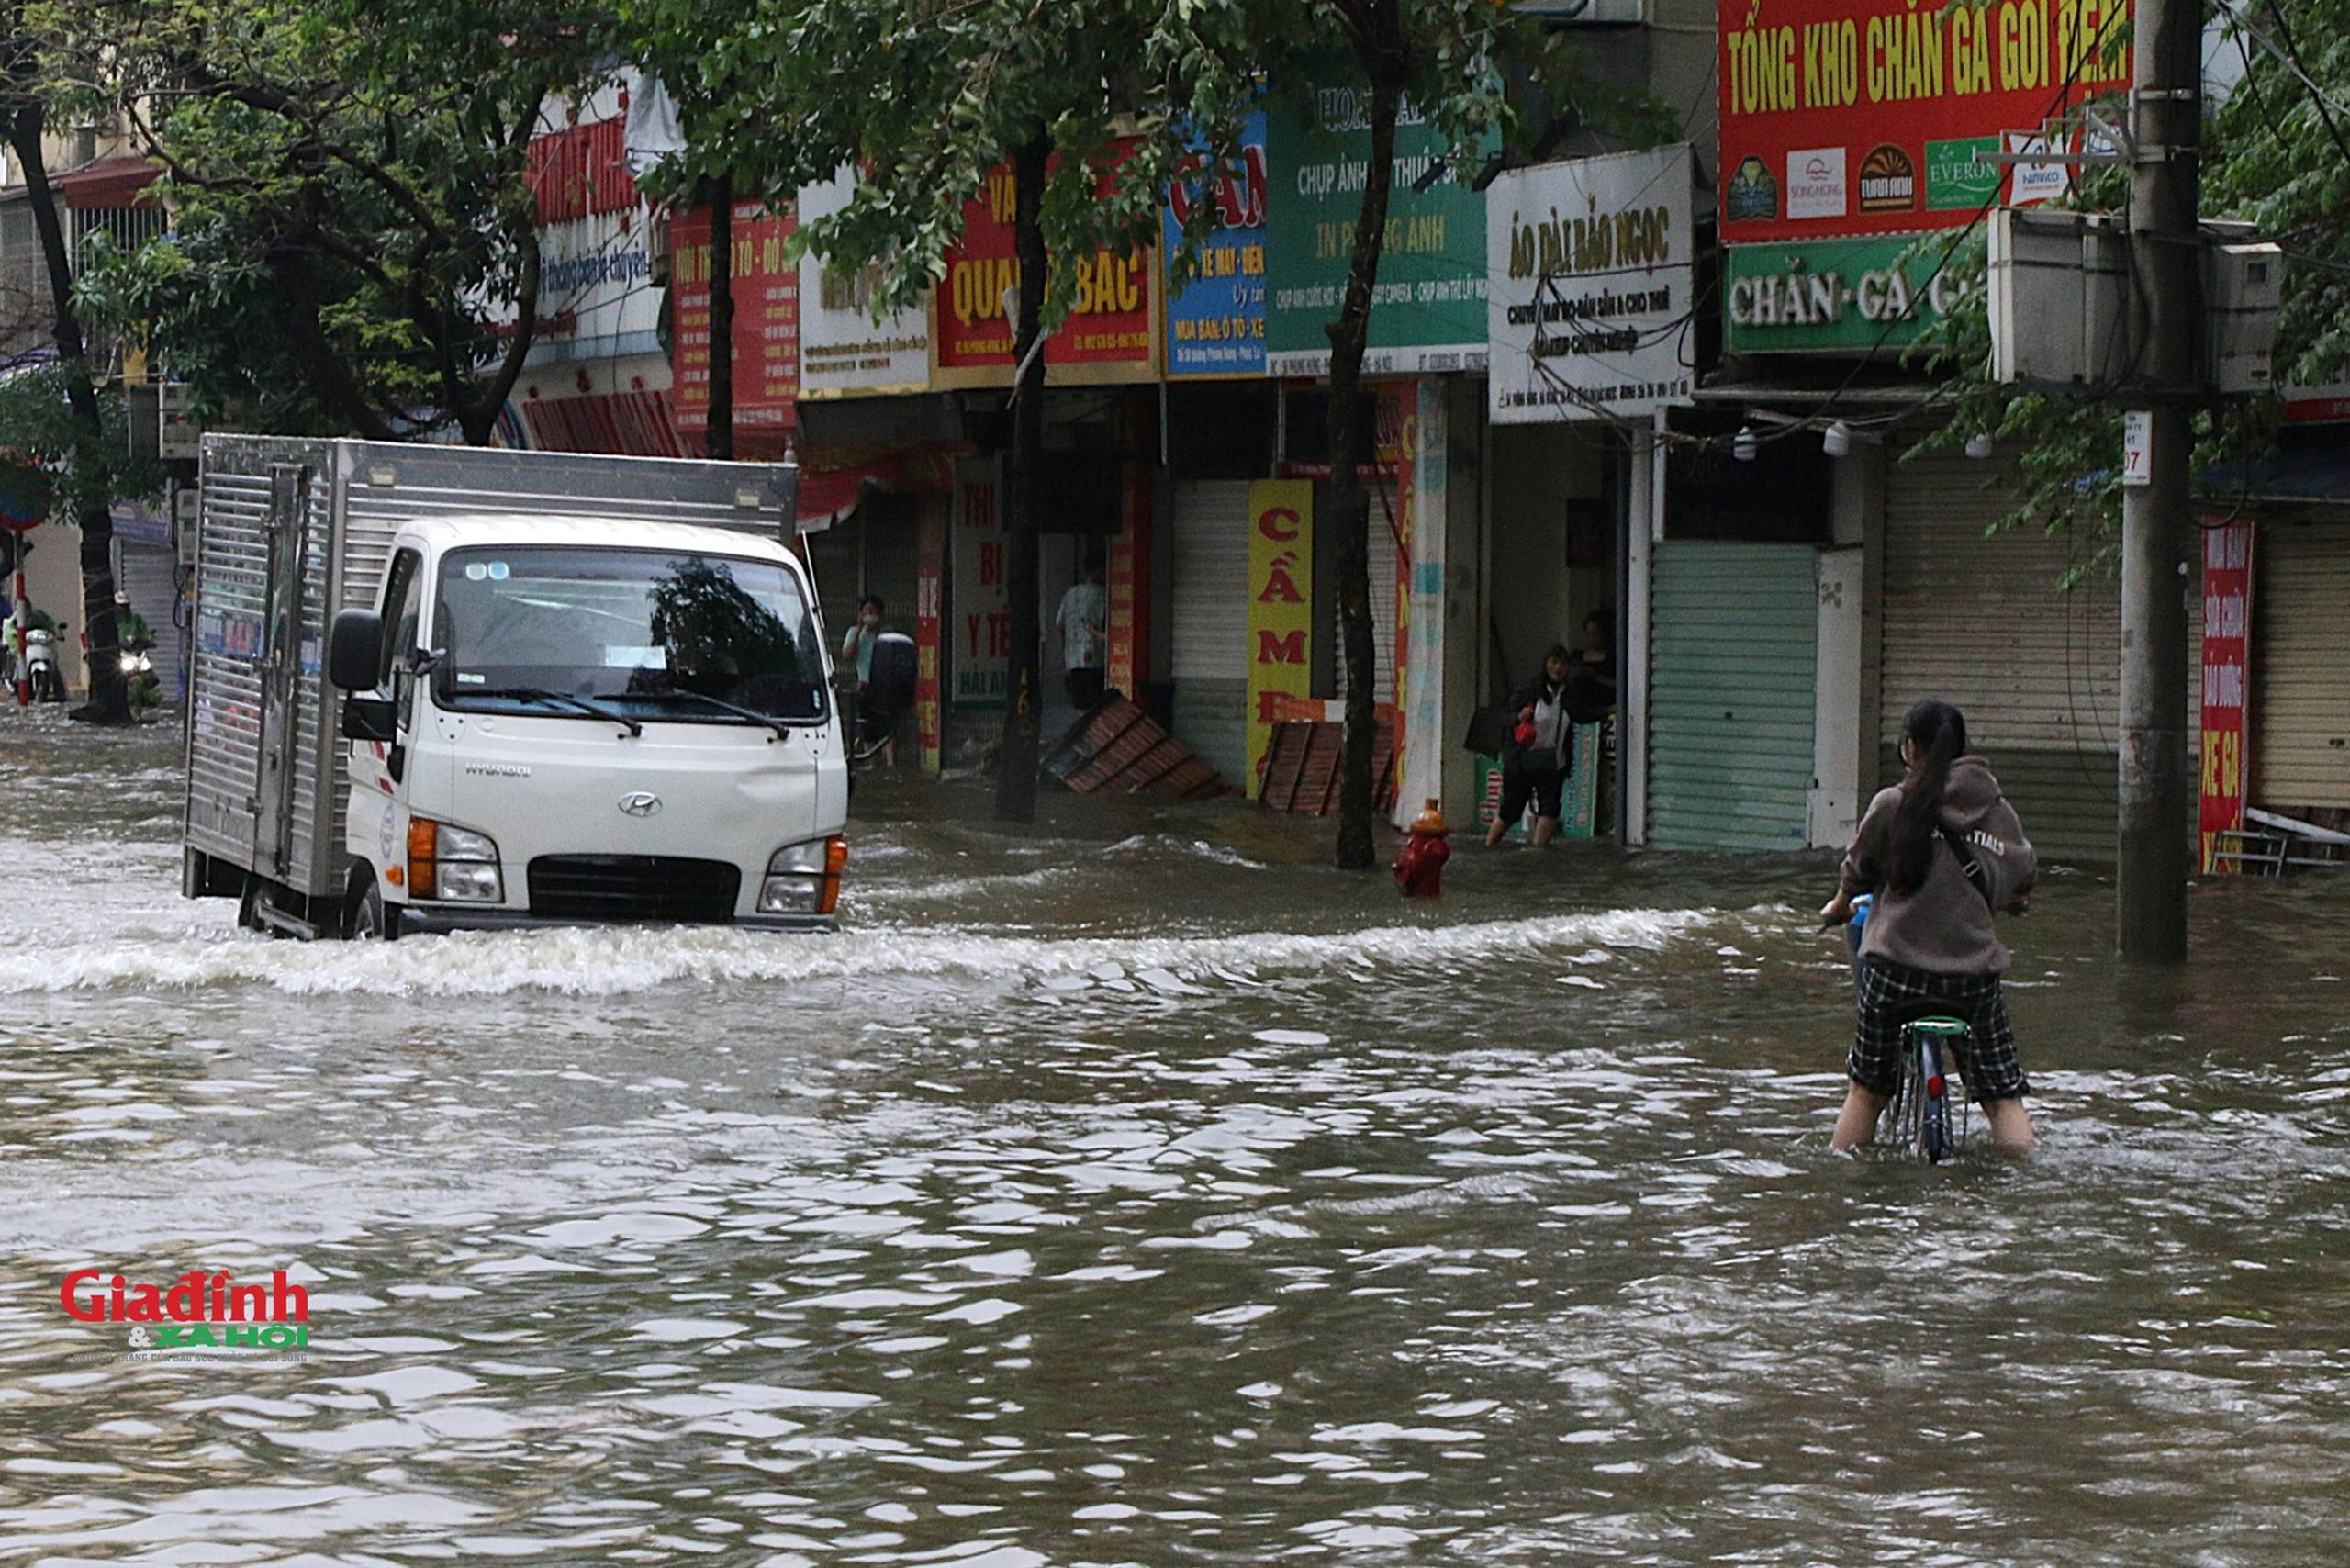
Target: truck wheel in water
(371, 920)
(249, 907)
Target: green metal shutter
(2301, 613)
(1732, 692)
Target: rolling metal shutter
(151, 579)
(1981, 620)
(2301, 667)
(1210, 519)
(1731, 695)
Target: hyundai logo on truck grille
(637, 803)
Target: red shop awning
(832, 479)
(623, 424)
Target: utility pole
(2157, 796)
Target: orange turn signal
(828, 895)
(422, 840)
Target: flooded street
(1137, 1190)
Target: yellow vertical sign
(1281, 608)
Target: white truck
(580, 689)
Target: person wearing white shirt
(1083, 625)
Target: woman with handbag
(1540, 753)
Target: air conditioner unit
(2243, 288)
(2059, 298)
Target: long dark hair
(1938, 730)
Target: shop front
(2022, 629)
(2299, 743)
(1746, 587)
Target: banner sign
(1215, 323)
(1280, 608)
(982, 636)
(1108, 336)
(2227, 669)
(930, 606)
(1129, 581)
(594, 239)
(1838, 294)
(765, 287)
(1865, 116)
(1427, 313)
(1591, 300)
(843, 351)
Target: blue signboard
(1215, 324)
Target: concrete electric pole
(2157, 807)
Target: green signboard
(1959, 174)
(1428, 311)
(1826, 295)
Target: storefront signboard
(1427, 313)
(980, 655)
(1281, 608)
(1591, 309)
(1110, 334)
(1841, 294)
(1865, 116)
(1215, 323)
(595, 239)
(2227, 671)
(843, 352)
(766, 288)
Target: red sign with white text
(1868, 117)
(767, 318)
(1108, 331)
(2227, 673)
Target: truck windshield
(532, 628)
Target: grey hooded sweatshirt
(1944, 928)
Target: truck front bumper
(432, 919)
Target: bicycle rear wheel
(1921, 1118)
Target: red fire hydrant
(1419, 865)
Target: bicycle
(1920, 1118)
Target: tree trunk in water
(1016, 795)
(1349, 511)
(109, 701)
(719, 442)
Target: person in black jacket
(1541, 753)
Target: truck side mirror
(356, 650)
(890, 690)
(368, 718)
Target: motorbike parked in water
(141, 686)
(41, 673)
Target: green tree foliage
(352, 240)
(1093, 105)
(37, 426)
(1090, 103)
(2277, 153)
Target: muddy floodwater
(1135, 1190)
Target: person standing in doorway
(1083, 626)
(856, 648)
(1542, 751)
(1594, 669)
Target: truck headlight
(453, 863)
(469, 881)
(804, 878)
(458, 844)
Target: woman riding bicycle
(1940, 852)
